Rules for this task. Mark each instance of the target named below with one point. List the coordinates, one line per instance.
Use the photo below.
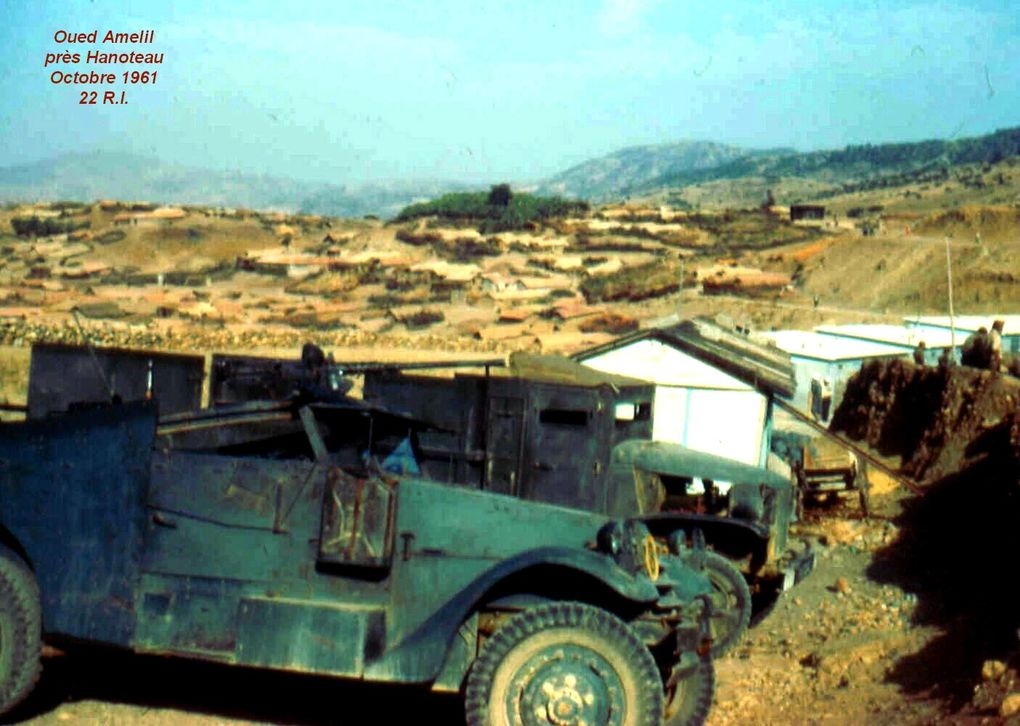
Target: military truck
(304, 535)
(548, 429)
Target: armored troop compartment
(542, 429)
(66, 377)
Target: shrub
(464, 249)
(42, 226)
(409, 237)
(632, 283)
(520, 210)
(612, 323)
(421, 319)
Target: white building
(964, 325)
(824, 363)
(936, 340)
(713, 388)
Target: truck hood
(661, 457)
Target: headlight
(677, 541)
(610, 538)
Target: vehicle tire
(20, 630)
(564, 662)
(690, 699)
(731, 603)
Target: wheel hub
(566, 704)
(567, 686)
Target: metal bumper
(798, 568)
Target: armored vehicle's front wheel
(689, 700)
(731, 603)
(20, 630)
(564, 663)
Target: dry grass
(13, 374)
(993, 223)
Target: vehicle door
(566, 447)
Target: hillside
(702, 173)
(847, 170)
(201, 276)
(686, 174)
(627, 170)
(89, 176)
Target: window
(563, 417)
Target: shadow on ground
(219, 691)
(957, 553)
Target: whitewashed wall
(696, 404)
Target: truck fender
(8, 540)
(420, 656)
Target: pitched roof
(763, 367)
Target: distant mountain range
(636, 167)
(645, 169)
(632, 171)
(113, 175)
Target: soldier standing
(919, 353)
(975, 352)
(995, 347)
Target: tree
(499, 195)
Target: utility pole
(949, 277)
(680, 294)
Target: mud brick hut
(806, 211)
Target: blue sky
(514, 90)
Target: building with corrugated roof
(935, 340)
(824, 363)
(964, 325)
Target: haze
(486, 91)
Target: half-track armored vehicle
(305, 534)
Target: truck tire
(20, 630)
(731, 603)
(690, 699)
(564, 662)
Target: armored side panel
(316, 637)
(72, 495)
(505, 419)
(65, 376)
(543, 439)
(565, 447)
